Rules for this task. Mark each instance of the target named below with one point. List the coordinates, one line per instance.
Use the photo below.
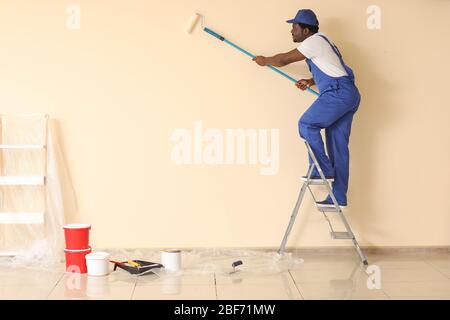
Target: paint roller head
(237, 263)
(193, 22)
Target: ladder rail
(323, 212)
(294, 213)
(322, 176)
(330, 191)
(336, 204)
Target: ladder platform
(341, 235)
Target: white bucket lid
(171, 251)
(99, 255)
(82, 250)
(77, 226)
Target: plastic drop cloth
(217, 261)
(39, 244)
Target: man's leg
(311, 133)
(338, 137)
(322, 114)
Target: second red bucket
(76, 260)
(77, 236)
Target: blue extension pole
(218, 36)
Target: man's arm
(280, 60)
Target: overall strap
(336, 50)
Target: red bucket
(76, 261)
(77, 236)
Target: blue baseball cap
(305, 16)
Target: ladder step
(316, 182)
(22, 146)
(341, 235)
(8, 254)
(22, 180)
(21, 217)
(328, 208)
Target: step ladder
(20, 219)
(336, 209)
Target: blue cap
(305, 16)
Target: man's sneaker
(328, 203)
(318, 178)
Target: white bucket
(171, 259)
(97, 263)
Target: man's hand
(260, 60)
(305, 83)
(281, 59)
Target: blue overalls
(333, 111)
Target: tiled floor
(319, 277)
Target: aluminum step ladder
(336, 209)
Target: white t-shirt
(322, 55)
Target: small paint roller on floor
(235, 265)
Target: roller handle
(214, 34)
(221, 38)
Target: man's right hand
(304, 83)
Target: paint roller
(198, 17)
(236, 264)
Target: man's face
(298, 34)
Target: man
(333, 110)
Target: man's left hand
(260, 60)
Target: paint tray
(144, 268)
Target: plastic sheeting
(32, 211)
(41, 245)
(217, 261)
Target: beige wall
(121, 85)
